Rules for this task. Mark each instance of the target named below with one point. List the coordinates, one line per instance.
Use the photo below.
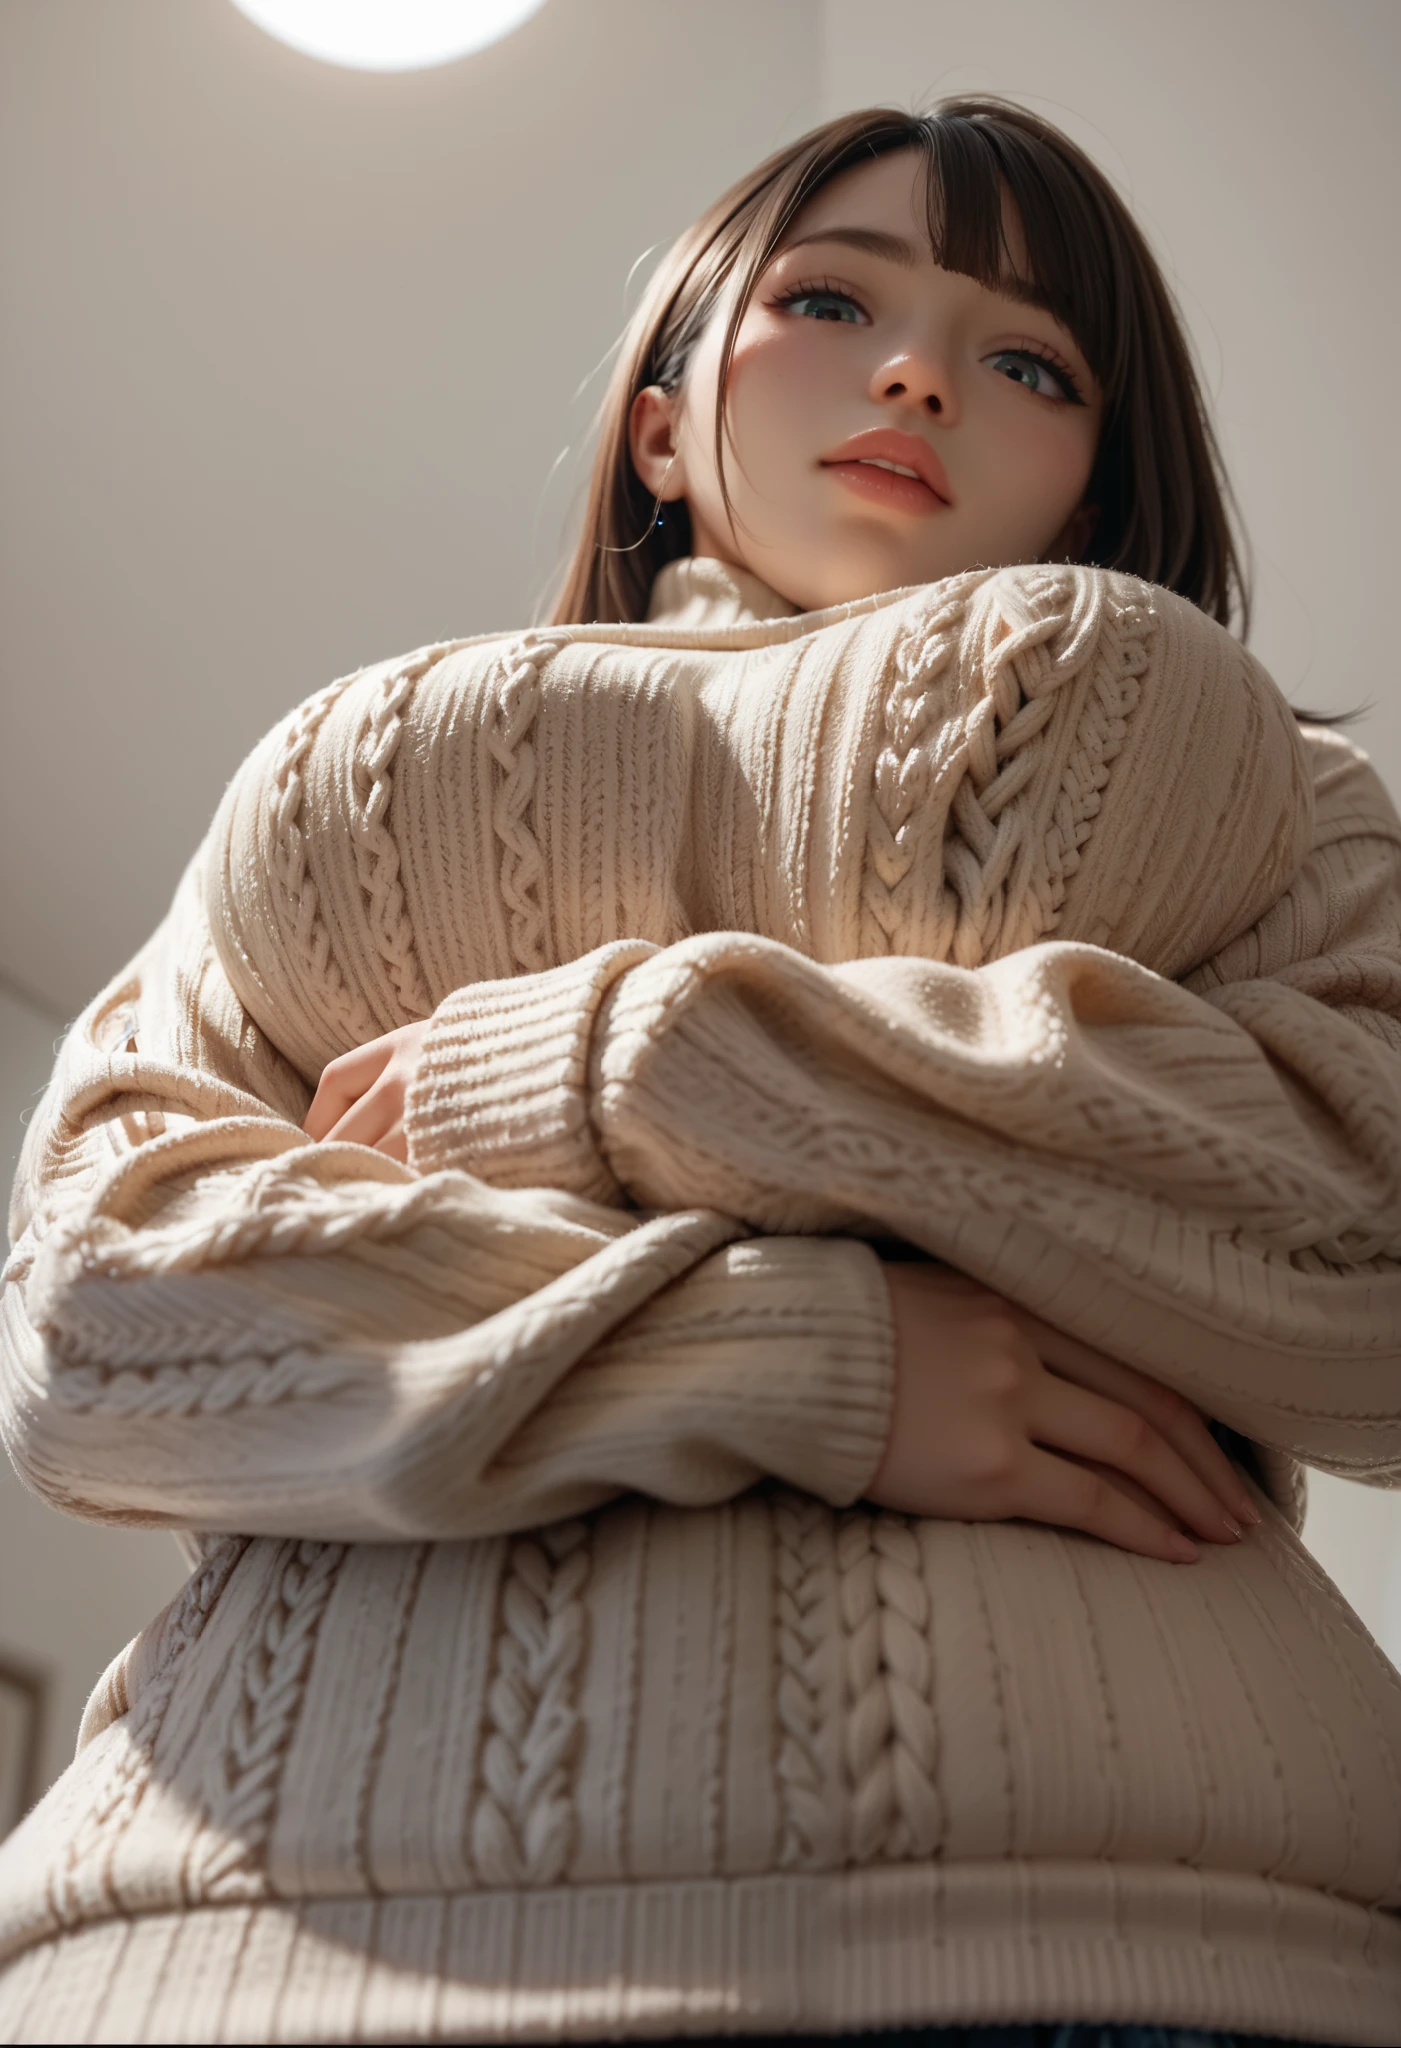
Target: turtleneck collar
(699, 593)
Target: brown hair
(1166, 512)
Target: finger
(1064, 1416)
(1071, 1496)
(395, 1142)
(1170, 1413)
(1131, 1490)
(366, 1121)
(342, 1083)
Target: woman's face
(856, 353)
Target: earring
(660, 520)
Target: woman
(709, 1187)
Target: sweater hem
(977, 1943)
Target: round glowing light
(388, 35)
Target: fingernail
(1235, 1528)
(1251, 1512)
(1182, 1548)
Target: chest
(604, 795)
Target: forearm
(213, 1323)
(1103, 1147)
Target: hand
(360, 1097)
(997, 1415)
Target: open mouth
(894, 469)
(884, 482)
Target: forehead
(891, 193)
(888, 192)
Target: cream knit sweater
(555, 1683)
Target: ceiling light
(388, 35)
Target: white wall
(298, 348)
(70, 1593)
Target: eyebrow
(874, 241)
(895, 249)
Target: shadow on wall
(71, 1593)
(23, 1699)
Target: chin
(866, 579)
(864, 570)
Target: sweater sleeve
(210, 1323)
(1204, 1178)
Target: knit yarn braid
(972, 693)
(522, 1826)
(376, 854)
(804, 1535)
(522, 867)
(286, 794)
(891, 1738)
(228, 1862)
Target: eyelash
(824, 287)
(1036, 352)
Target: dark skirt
(1025, 2034)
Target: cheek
(1046, 457)
(781, 382)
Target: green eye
(824, 306)
(1024, 366)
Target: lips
(892, 468)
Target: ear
(1074, 538)
(654, 425)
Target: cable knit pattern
(243, 1796)
(890, 1731)
(1012, 917)
(523, 1825)
(961, 725)
(1048, 629)
(301, 898)
(521, 863)
(376, 855)
(1101, 736)
(905, 767)
(806, 1574)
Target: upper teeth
(879, 462)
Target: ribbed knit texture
(558, 1683)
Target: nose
(918, 377)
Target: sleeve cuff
(501, 1086)
(822, 1376)
(774, 1359)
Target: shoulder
(298, 872)
(1350, 799)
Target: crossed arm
(1158, 1096)
(994, 1413)
(214, 1321)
